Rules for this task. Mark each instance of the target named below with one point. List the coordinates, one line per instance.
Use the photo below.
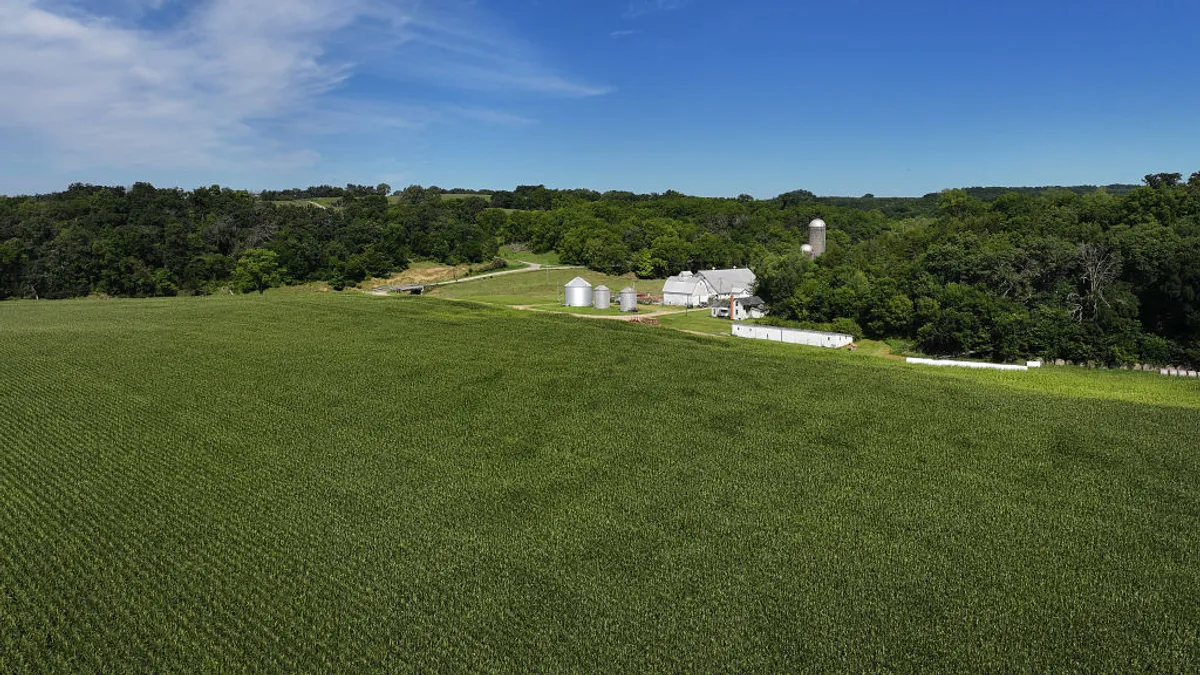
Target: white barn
(699, 289)
(685, 290)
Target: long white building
(700, 288)
(796, 336)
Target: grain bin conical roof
(578, 282)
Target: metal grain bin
(629, 300)
(601, 297)
(577, 293)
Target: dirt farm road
(532, 267)
(529, 267)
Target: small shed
(601, 297)
(577, 293)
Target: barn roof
(728, 281)
(682, 284)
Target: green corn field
(308, 483)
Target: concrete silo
(601, 297)
(577, 293)
(629, 300)
(816, 237)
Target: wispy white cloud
(222, 80)
(623, 33)
(496, 117)
(642, 7)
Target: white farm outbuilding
(701, 288)
(685, 290)
(813, 338)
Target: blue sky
(702, 96)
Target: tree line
(1086, 275)
(1092, 278)
(146, 241)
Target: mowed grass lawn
(699, 320)
(548, 258)
(539, 287)
(322, 483)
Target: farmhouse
(701, 288)
(752, 307)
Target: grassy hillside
(509, 253)
(539, 287)
(342, 483)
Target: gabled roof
(578, 282)
(728, 281)
(682, 284)
(752, 301)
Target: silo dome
(816, 237)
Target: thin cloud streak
(639, 8)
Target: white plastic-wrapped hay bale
(965, 364)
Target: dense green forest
(146, 241)
(1092, 275)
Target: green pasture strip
(540, 287)
(550, 258)
(698, 320)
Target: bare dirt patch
(421, 274)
